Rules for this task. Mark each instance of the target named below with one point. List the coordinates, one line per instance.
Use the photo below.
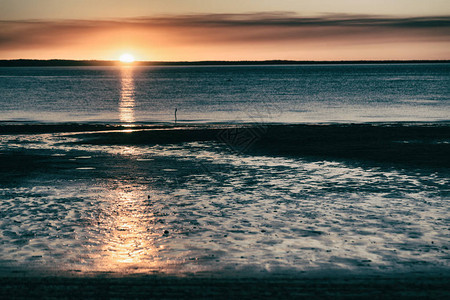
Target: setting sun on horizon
(126, 58)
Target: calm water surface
(327, 93)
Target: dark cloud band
(229, 28)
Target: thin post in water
(176, 115)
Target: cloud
(292, 20)
(228, 29)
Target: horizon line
(100, 62)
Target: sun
(126, 58)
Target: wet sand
(410, 144)
(224, 211)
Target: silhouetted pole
(176, 115)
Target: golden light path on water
(127, 92)
(128, 244)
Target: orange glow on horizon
(233, 37)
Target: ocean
(206, 94)
(269, 170)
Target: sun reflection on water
(129, 243)
(127, 93)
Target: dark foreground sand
(157, 287)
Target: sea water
(289, 94)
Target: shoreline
(6, 125)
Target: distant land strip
(67, 63)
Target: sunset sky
(174, 30)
